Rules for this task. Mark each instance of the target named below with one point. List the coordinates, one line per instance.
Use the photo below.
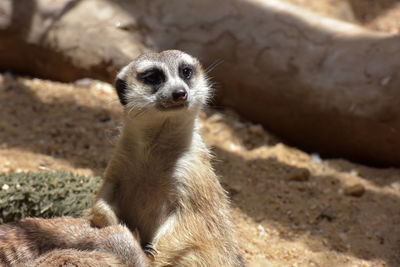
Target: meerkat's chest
(146, 200)
(150, 191)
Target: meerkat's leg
(68, 240)
(103, 212)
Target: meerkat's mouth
(172, 107)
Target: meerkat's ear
(121, 86)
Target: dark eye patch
(121, 86)
(153, 77)
(186, 72)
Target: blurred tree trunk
(322, 84)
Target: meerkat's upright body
(160, 180)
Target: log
(65, 40)
(324, 85)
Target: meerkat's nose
(179, 95)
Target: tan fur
(160, 180)
(67, 241)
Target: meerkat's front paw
(150, 250)
(103, 215)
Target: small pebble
(354, 172)
(103, 87)
(54, 132)
(256, 129)
(234, 147)
(328, 214)
(233, 188)
(238, 124)
(216, 117)
(41, 167)
(5, 187)
(259, 217)
(356, 190)
(298, 175)
(262, 231)
(84, 82)
(316, 158)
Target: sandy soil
(291, 208)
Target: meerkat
(67, 241)
(160, 180)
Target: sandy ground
(291, 208)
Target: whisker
(131, 109)
(142, 111)
(109, 103)
(213, 65)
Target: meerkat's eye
(186, 72)
(153, 77)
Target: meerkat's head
(165, 83)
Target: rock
(356, 190)
(232, 188)
(216, 117)
(259, 217)
(298, 175)
(315, 158)
(328, 214)
(256, 129)
(5, 187)
(84, 82)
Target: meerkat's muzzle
(174, 99)
(179, 95)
